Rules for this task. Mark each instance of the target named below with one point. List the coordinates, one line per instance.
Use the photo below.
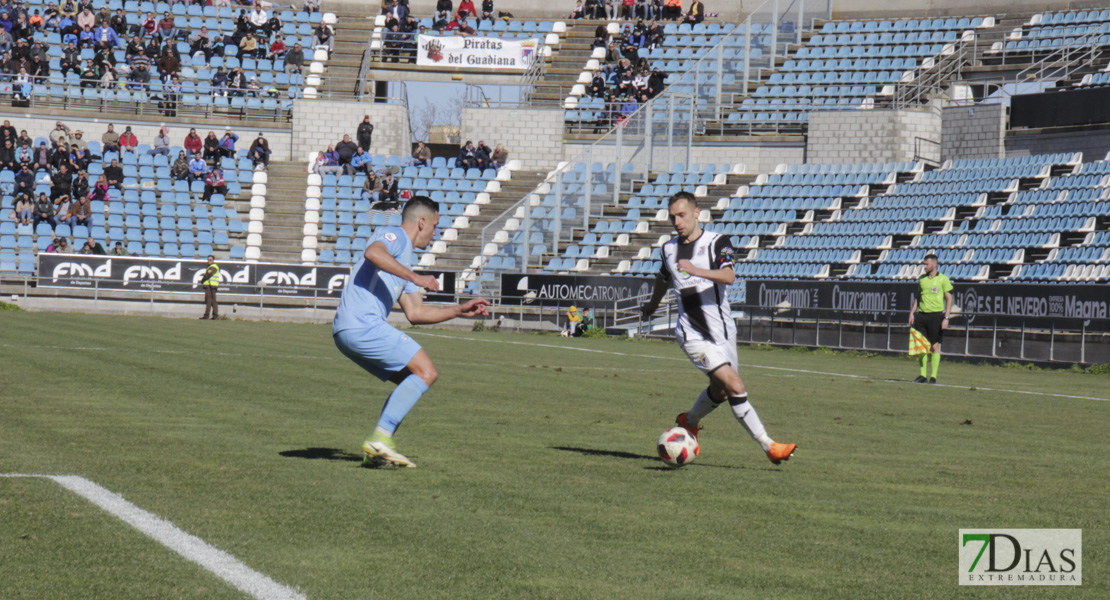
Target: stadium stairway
(284, 225)
(355, 22)
(462, 251)
(562, 73)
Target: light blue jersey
(370, 293)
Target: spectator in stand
(466, 9)
(696, 14)
(148, 25)
(127, 140)
(346, 150)
(109, 142)
(201, 43)
(499, 158)
(119, 250)
(595, 9)
(579, 11)
(92, 247)
(443, 12)
(114, 173)
(597, 85)
(248, 46)
(80, 185)
(259, 153)
(197, 169)
(193, 143)
(460, 27)
(61, 184)
(60, 246)
(211, 147)
(388, 198)
(627, 8)
(487, 13)
(24, 209)
(59, 135)
(258, 18)
(105, 37)
(672, 9)
(100, 190)
(86, 18)
(365, 133)
(277, 49)
(44, 211)
(397, 13)
(62, 210)
(227, 143)
(7, 157)
(324, 37)
(166, 30)
(467, 156)
(482, 152)
(6, 41)
(80, 213)
(161, 143)
(214, 184)
(169, 64)
(360, 162)
(372, 187)
(140, 69)
(328, 162)
(180, 168)
(422, 155)
(311, 6)
(294, 59)
(25, 181)
(119, 23)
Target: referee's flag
(918, 343)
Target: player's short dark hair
(932, 256)
(416, 203)
(687, 196)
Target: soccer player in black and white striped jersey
(698, 265)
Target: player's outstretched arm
(419, 314)
(657, 294)
(380, 257)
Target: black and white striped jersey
(703, 310)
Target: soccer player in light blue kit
(379, 279)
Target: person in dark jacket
(365, 133)
(346, 150)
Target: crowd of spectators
(626, 81)
(61, 164)
(382, 186)
(150, 47)
(664, 10)
(399, 39)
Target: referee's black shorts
(929, 325)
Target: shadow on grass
(322, 453)
(630, 455)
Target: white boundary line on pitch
(220, 563)
(750, 366)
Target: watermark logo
(1021, 557)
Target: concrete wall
(1093, 144)
(41, 126)
(532, 135)
(851, 136)
(757, 157)
(973, 131)
(317, 123)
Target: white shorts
(710, 356)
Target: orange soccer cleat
(681, 421)
(780, 452)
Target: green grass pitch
(537, 477)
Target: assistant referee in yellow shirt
(932, 306)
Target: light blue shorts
(382, 350)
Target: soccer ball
(677, 447)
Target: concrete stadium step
(283, 226)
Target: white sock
(702, 406)
(745, 413)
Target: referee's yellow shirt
(931, 291)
